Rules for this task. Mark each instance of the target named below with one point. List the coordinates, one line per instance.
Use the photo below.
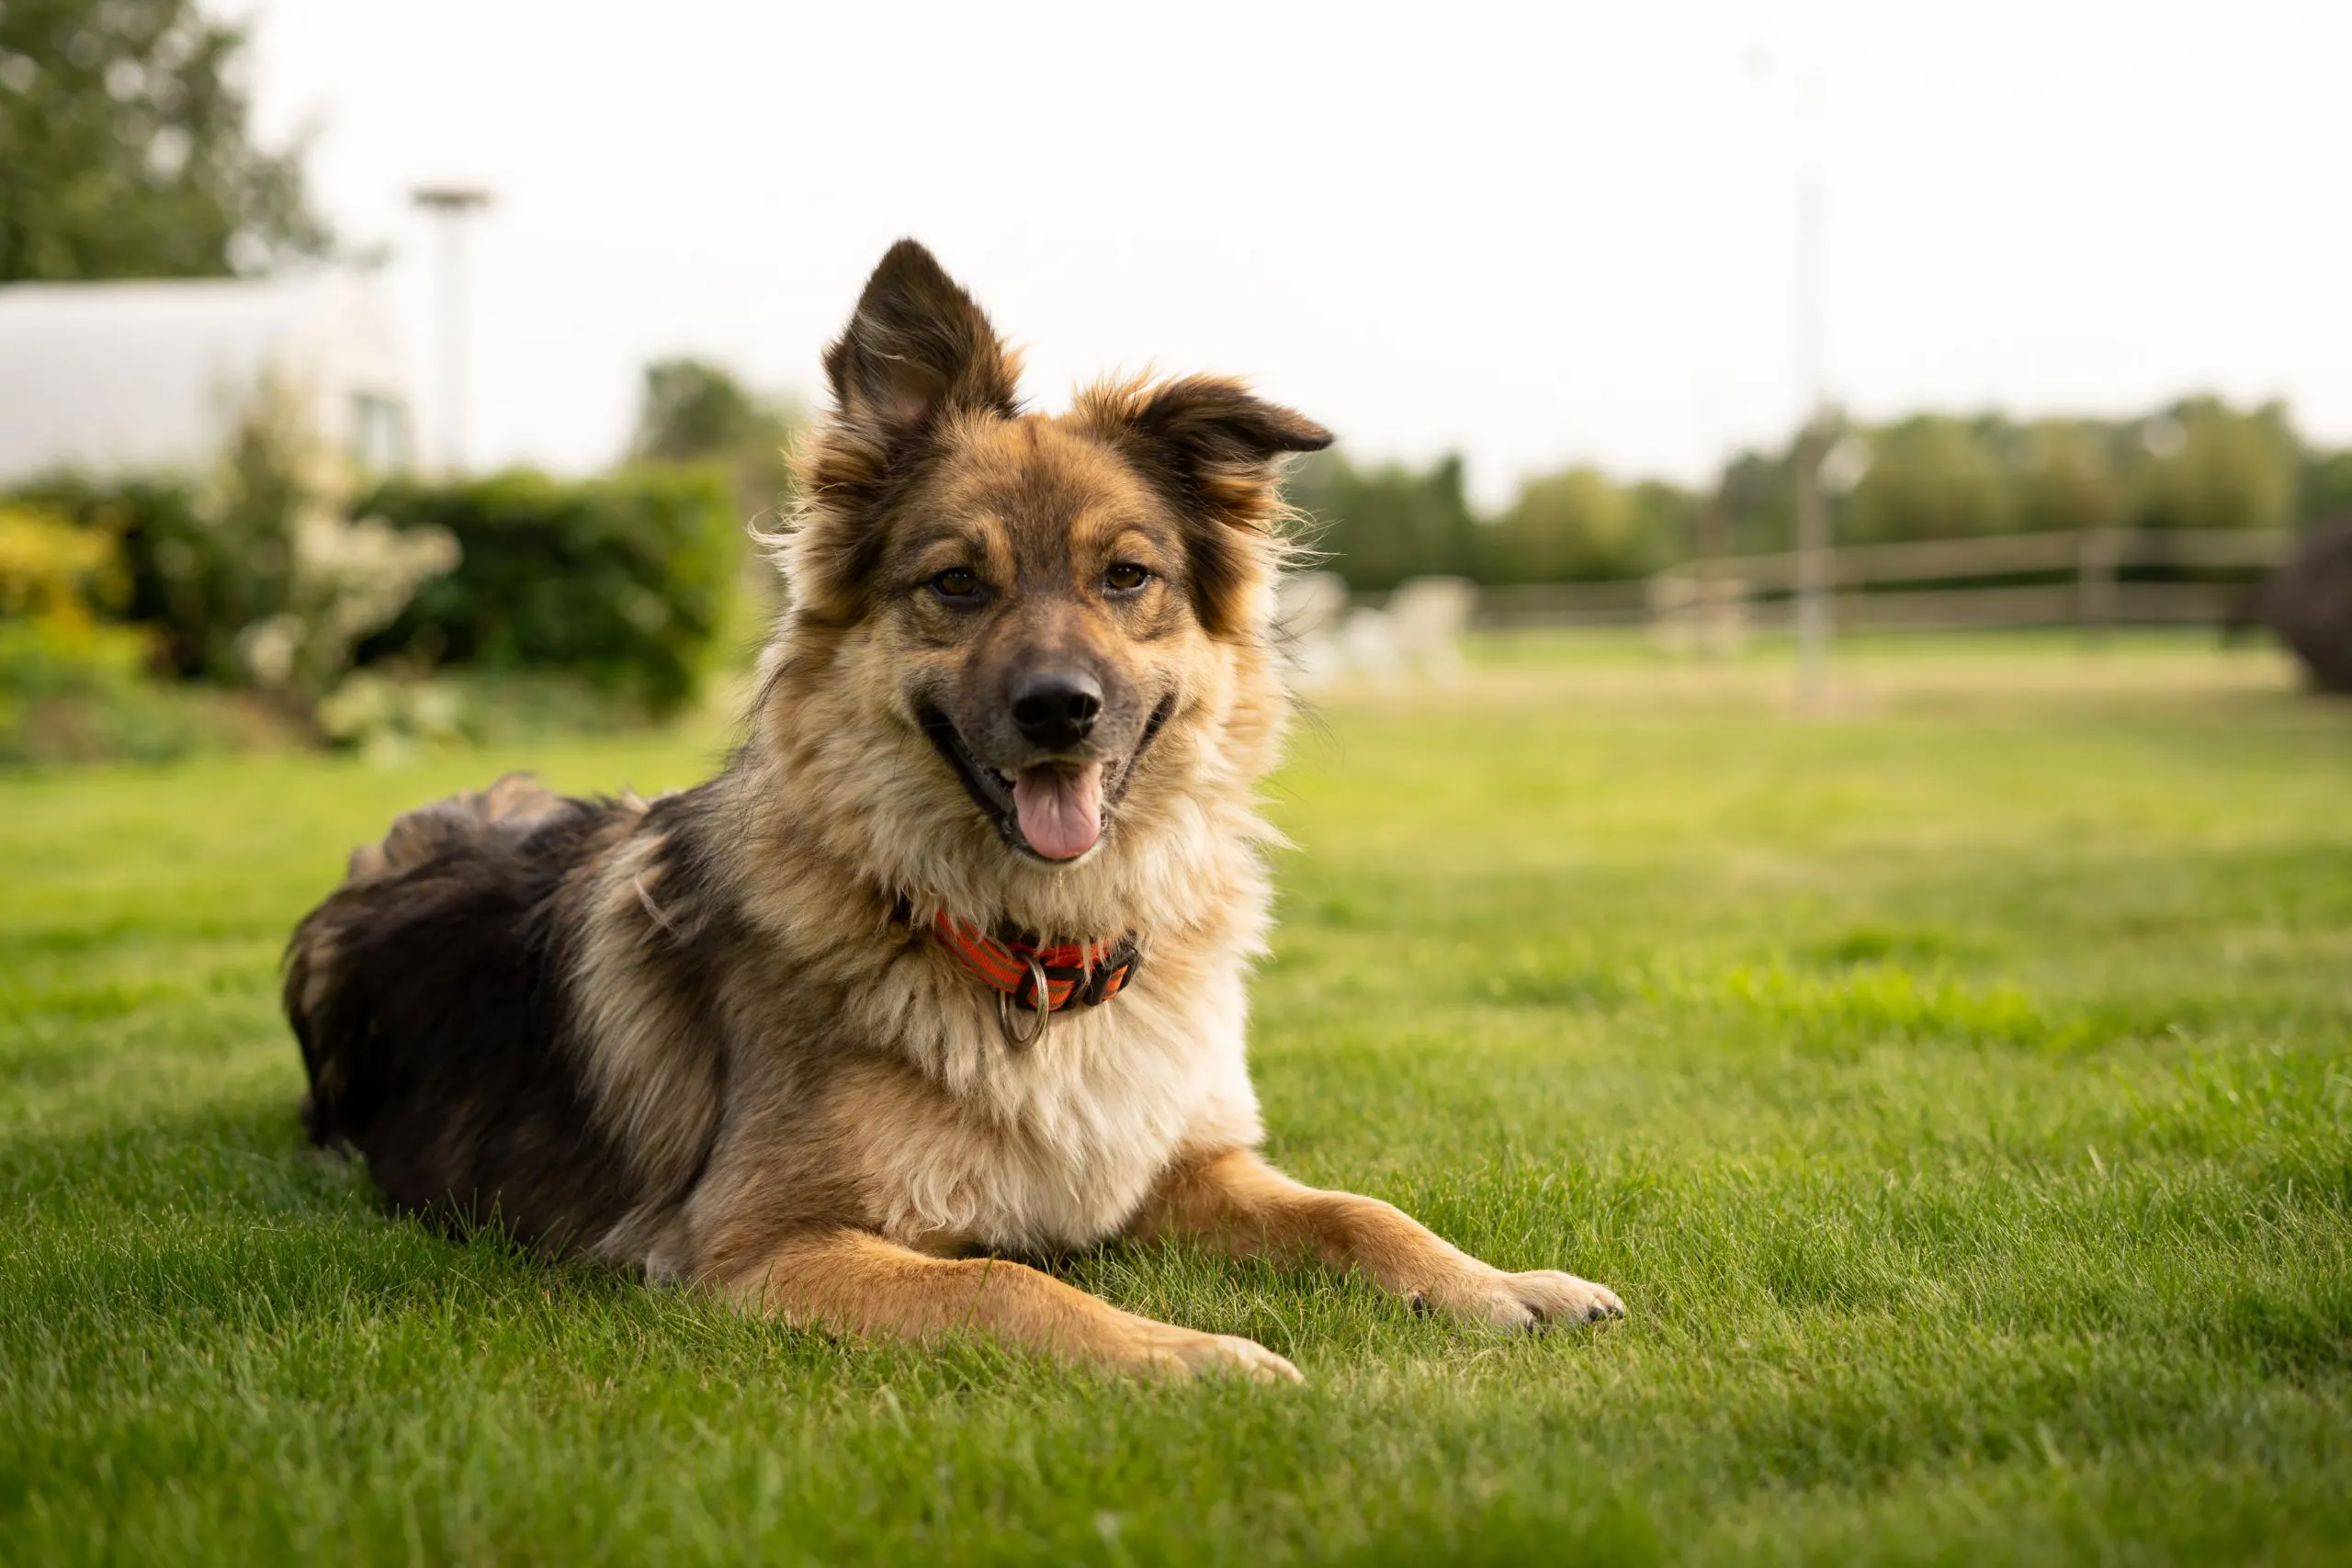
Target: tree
(1578, 526)
(1379, 527)
(2327, 487)
(691, 410)
(2070, 478)
(2213, 466)
(1667, 517)
(124, 141)
(1759, 499)
(1930, 477)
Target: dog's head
(1058, 616)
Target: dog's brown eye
(956, 582)
(1126, 577)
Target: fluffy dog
(948, 961)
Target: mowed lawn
(1958, 1091)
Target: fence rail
(1991, 608)
(1974, 584)
(1936, 561)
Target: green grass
(1958, 1090)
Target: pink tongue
(1060, 808)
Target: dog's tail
(515, 804)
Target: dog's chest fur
(853, 1072)
(1055, 1145)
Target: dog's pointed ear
(1203, 439)
(1214, 451)
(917, 348)
(916, 352)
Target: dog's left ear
(1214, 450)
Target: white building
(113, 378)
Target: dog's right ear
(917, 352)
(917, 349)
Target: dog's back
(425, 992)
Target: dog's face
(1044, 602)
(1041, 625)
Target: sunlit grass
(1958, 1091)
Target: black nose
(1055, 708)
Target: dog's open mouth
(1056, 812)
(1059, 807)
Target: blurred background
(391, 377)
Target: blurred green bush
(251, 574)
(624, 579)
(607, 593)
(204, 560)
(71, 682)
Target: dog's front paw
(1533, 1300)
(1187, 1354)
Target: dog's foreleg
(1235, 1200)
(858, 1283)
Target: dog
(946, 967)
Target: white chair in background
(1426, 616)
(1419, 631)
(1309, 609)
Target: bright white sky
(1535, 235)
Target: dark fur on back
(426, 994)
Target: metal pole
(2100, 551)
(451, 206)
(1813, 584)
(1715, 610)
(453, 343)
(1813, 574)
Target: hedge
(623, 580)
(202, 567)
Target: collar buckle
(1115, 974)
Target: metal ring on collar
(1018, 1040)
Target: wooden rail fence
(2094, 579)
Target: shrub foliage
(623, 578)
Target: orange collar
(1083, 974)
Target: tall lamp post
(1814, 565)
(451, 206)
